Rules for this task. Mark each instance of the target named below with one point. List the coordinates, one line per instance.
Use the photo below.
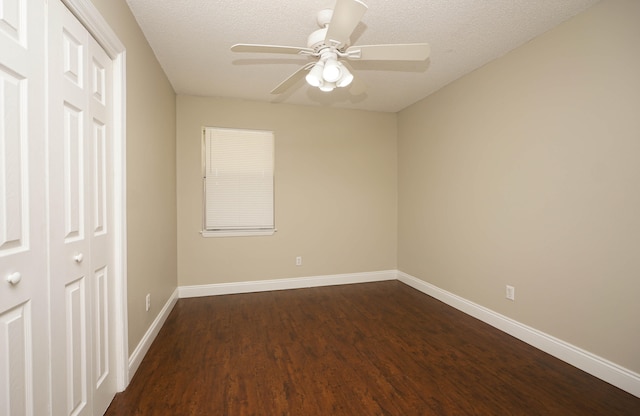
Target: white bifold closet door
(24, 358)
(81, 220)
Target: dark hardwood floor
(365, 349)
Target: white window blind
(238, 181)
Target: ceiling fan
(331, 43)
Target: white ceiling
(191, 39)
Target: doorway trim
(92, 20)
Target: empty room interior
(494, 183)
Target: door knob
(14, 278)
(78, 258)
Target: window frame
(239, 232)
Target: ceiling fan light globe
(313, 81)
(346, 77)
(332, 71)
(345, 81)
(327, 86)
(314, 77)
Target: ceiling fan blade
(346, 16)
(398, 52)
(293, 78)
(242, 47)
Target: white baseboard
(145, 343)
(283, 284)
(612, 373)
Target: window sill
(237, 233)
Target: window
(238, 182)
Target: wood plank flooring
(364, 349)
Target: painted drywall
(151, 174)
(526, 172)
(335, 193)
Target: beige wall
(151, 173)
(527, 172)
(335, 187)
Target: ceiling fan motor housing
(315, 40)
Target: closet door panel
(24, 355)
(17, 372)
(73, 176)
(70, 152)
(100, 93)
(81, 242)
(14, 214)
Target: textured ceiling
(191, 39)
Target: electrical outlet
(511, 293)
(299, 261)
(148, 302)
